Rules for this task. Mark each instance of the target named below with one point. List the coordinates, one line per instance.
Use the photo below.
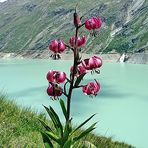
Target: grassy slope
(31, 24)
(19, 127)
(134, 35)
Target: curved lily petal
(98, 22)
(54, 46)
(97, 61)
(88, 24)
(61, 46)
(61, 77)
(50, 76)
(71, 41)
(93, 23)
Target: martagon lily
(91, 88)
(57, 46)
(93, 23)
(64, 135)
(80, 41)
(56, 76)
(92, 63)
(54, 90)
(80, 70)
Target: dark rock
(29, 7)
(7, 20)
(119, 23)
(135, 40)
(96, 11)
(39, 46)
(140, 10)
(126, 5)
(60, 12)
(102, 8)
(126, 32)
(111, 19)
(125, 26)
(140, 50)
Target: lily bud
(76, 20)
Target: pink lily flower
(80, 41)
(54, 90)
(92, 63)
(93, 23)
(56, 76)
(91, 88)
(80, 70)
(57, 46)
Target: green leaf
(51, 116)
(54, 137)
(68, 144)
(46, 145)
(63, 108)
(84, 133)
(83, 123)
(79, 79)
(46, 140)
(57, 120)
(67, 130)
(45, 125)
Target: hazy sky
(2, 0)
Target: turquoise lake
(121, 105)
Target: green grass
(19, 127)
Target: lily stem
(75, 62)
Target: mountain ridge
(31, 25)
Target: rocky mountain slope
(32, 24)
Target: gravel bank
(136, 58)
(46, 55)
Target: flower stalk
(65, 134)
(75, 63)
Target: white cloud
(2, 1)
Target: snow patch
(1, 1)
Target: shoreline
(136, 58)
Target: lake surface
(121, 105)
